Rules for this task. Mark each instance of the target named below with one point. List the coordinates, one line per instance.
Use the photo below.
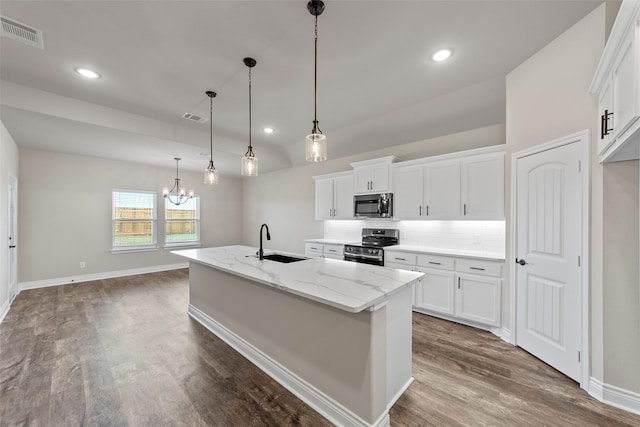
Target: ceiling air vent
(194, 118)
(21, 32)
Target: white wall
(547, 98)
(285, 199)
(8, 167)
(64, 213)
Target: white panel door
(442, 190)
(548, 245)
(343, 197)
(408, 192)
(324, 198)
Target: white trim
(131, 249)
(615, 396)
(5, 309)
(99, 276)
(323, 404)
(583, 137)
(500, 148)
(505, 334)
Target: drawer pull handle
(436, 263)
(476, 268)
(400, 259)
(312, 247)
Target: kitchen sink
(283, 258)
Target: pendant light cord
(316, 128)
(211, 128)
(250, 147)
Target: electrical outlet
(83, 264)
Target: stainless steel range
(370, 250)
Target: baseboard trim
(615, 396)
(99, 276)
(4, 309)
(323, 404)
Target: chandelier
(177, 195)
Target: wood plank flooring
(123, 352)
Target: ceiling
(377, 86)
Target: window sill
(182, 245)
(126, 250)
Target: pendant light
(316, 141)
(177, 195)
(211, 174)
(249, 165)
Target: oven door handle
(348, 255)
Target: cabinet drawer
(400, 257)
(333, 250)
(485, 268)
(313, 247)
(435, 261)
(398, 266)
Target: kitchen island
(335, 333)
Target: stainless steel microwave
(373, 205)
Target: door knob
(520, 261)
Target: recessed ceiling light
(268, 130)
(442, 55)
(85, 72)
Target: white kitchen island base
(350, 367)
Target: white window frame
(182, 243)
(154, 224)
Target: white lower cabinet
(326, 250)
(457, 288)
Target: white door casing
(549, 228)
(13, 237)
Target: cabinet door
(605, 104)
(625, 81)
(435, 291)
(380, 178)
(333, 251)
(483, 187)
(343, 197)
(478, 299)
(362, 177)
(442, 190)
(408, 192)
(324, 198)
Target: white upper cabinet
(462, 186)
(408, 192)
(372, 176)
(483, 187)
(617, 86)
(442, 190)
(334, 196)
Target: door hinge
(579, 356)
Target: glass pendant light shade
(211, 175)
(249, 166)
(316, 147)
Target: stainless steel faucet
(260, 252)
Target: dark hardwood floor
(124, 352)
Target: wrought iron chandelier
(177, 195)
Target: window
(182, 222)
(134, 220)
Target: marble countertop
(333, 241)
(462, 253)
(349, 286)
